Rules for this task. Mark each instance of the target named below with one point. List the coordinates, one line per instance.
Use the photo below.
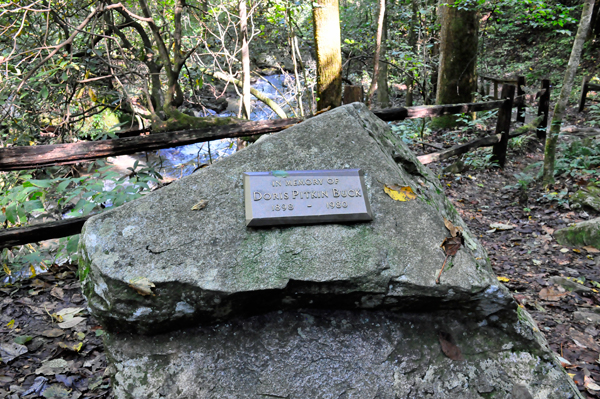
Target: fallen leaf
(66, 311)
(80, 336)
(585, 340)
(67, 314)
(142, 286)
(563, 362)
(549, 294)
(449, 347)
(94, 383)
(11, 323)
(564, 250)
(55, 391)
(399, 193)
(548, 230)
(588, 381)
(10, 350)
(55, 332)
(454, 231)
(503, 279)
(57, 292)
(4, 379)
(200, 205)
(38, 386)
(537, 262)
(501, 226)
(71, 323)
(591, 250)
(74, 347)
(55, 366)
(22, 339)
(452, 245)
(576, 250)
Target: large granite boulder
(310, 311)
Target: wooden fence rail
(15, 158)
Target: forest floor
(60, 354)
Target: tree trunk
(380, 20)
(412, 42)
(457, 80)
(326, 19)
(561, 104)
(245, 61)
(383, 94)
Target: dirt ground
(60, 354)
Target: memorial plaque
(305, 196)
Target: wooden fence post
(584, 91)
(353, 94)
(503, 124)
(521, 93)
(495, 89)
(544, 108)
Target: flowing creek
(177, 162)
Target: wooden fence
(18, 158)
(586, 87)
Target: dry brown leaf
(57, 292)
(548, 230)
(142, 286)
(589, 383)
(71, 323)
(550, 294)
(591, 250)
(454, 230)
(449, 347)
(452, 245)
(55, 332)
(200, 205)
(584, 339)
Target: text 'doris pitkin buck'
(305, 196)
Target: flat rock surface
(338, 354)
(206, 265)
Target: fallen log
(18, 158)
(43, 231)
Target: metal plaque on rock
(305, 196)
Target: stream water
(177, 162)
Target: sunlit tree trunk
(326, 19)
(383, 95)
(245, 60)
(457, 79)
(561, 104)
(377, 51)
(412, 42)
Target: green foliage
(412, 129)
(578, 159)
(24, 199)
(480, 159)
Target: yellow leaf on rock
(399, 193)
(11, 323)
(6, 270)
(503, 279)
